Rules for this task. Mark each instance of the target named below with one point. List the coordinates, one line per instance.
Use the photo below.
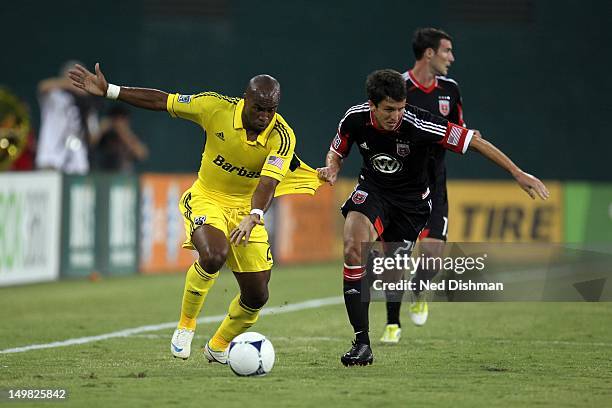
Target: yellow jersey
(232, 165)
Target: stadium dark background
(533, 73)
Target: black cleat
(359, 354)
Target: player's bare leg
(212, 247)
(243, 313)
(357, 230)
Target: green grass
(468, 354)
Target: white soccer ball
(251, 354)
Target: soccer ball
(251, 354)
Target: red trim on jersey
(423, 87)
(424, 233)
(340, 144)
(378, 226)
(455, 138)
(460, 110)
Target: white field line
(292, 307)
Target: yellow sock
(237, 321)
(197, 284)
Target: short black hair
(425, 38)
(385, 83)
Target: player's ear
(429, 53)
(371, 104)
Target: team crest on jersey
(184, 98)
(403, 149)
(220, 135)
(444, 106)
(359, 196)
(199, 220)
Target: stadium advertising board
(501, 212)
(79, 223)
(588, 212)
(117, 227)
(100, 233)
(161, 224)
(29, 227)
(305, 227)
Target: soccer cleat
(418, 310)
(392, 334)
(215, 356)
(359, 354)
(180, 346)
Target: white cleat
(180, 346)
(418, 310)
(215, 356)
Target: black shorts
(394, 220)
(437, 226)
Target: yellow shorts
(200, 208)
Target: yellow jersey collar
(262, 138)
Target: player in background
(392, 200)
(248, 158)
(428, 88)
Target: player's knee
(257, 299)
(352, 252)
(212, 259)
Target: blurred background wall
(532, 73)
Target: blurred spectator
(16, 138)
(118, 147)
(25, 160)
(69, 119)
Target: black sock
(393, 312)
(357, 308)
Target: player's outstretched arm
(97, 85)
(532, 185)
(333, 164)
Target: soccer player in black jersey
(391, 200)
(428, 88)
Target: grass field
(468, 354)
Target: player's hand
(532, 185)
(95, 84)
(243, 230)
(329, 174)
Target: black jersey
(441, 98)
(395, 161)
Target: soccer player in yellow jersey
(249, 150)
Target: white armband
(258, 212)
(112, 92)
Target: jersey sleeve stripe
(426, 126)
(232, 100)
(432, 124)
(285, 139)
(354, 109)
